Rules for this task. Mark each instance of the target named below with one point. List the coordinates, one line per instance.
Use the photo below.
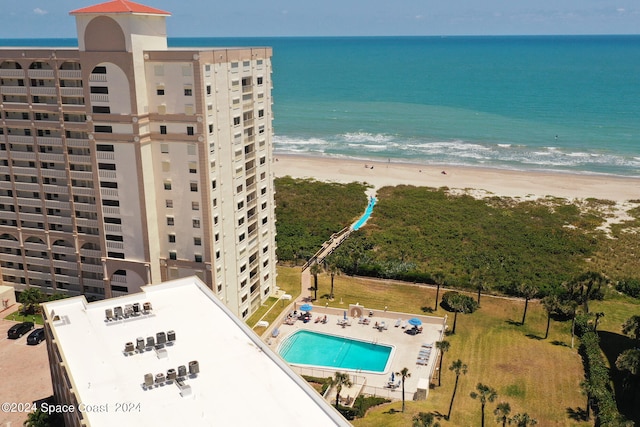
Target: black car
(16, 331)
(36, 337)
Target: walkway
(330, 245)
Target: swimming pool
(316, 349)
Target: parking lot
(24, 372)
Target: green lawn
(540, 377)
(37, 318)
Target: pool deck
(406, 348)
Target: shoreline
(476, 181)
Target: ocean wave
(362, 145)
(366, 137)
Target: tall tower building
(125, 163)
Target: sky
(255, 18)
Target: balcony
(106, 174)
(40, 74)
(83, 191)
(73, 142)
(43, 91)
(8, 215)
(91, 268)
(11, 73)
(97, 77)
(74, 158)
(55, 189)
(72, 91)
(99, 97)
(57, 158)
(58, 220)
(85, 222)
(53, 173)
(13, 90)
(48, 140)
(70, 74)
(91, 253)
(109, 192)
(82, 175)
(27, 186)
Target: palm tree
(340, 379)
(587, 389)
(595, 324)
(587, 286)
(527, 291)
(485, 394)
(315, 270)
(443, 346)
(333, 270)
(502, 412)
(550, 304)
(459, 368)
(631, 327)
(438, 279)
(425, 419)
(478, 283)
(523, 420)
(404, 373)
(460, 303)
(30, 299)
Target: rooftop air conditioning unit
(159, 378)
(128, 310)
(117, 312)
(171, 374)
(148, 380)
(136, 308)
(171, 335)
(128, 347)
(147, 307)
(182, 371)
(161, 338)
(194, 367)
(140, 344)
(151, 342)
(108, 313)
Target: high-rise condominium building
(124, 162)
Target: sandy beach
(487, 181)
(478, 182)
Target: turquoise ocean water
(563, 103)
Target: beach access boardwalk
(332, 244)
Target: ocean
(555, 103)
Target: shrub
(363, 403)
(453, 299)
(630, 287)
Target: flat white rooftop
(240, 380)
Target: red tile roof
(119, 6)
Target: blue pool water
(315, 349)
(366, 215)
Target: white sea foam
(366, 137)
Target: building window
(240, 221)
(172, 238)
(163, 129)
(100, 109)
(239, 188)
(208, 89)
(166, 166)
(99, 70)
(198, 258)
(164, 148)
(215, 220)
(188, 91)
(102, 129)
(217, 237)
(189, 130)
(236, 121)
(215, 202)
(260, 113)
(196, 223)
(173, 255)
(218, 254)
(192, 167)
(168, 204)
(170, 221)
(213, 184)
(106, 166)
(240, 205)
(160, 90)
(211, 128)
(241, 237)
(193, 186)
(197, 241)
(259, 81)
(195, 206)
(265, 249)
(99, 89)
(167, 185)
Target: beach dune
(476, 181)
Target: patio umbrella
(306, 307)
(345, 315)
(393, 377)
(414, 321)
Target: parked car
(16, 331)
(36, 337)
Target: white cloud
(39, 11)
